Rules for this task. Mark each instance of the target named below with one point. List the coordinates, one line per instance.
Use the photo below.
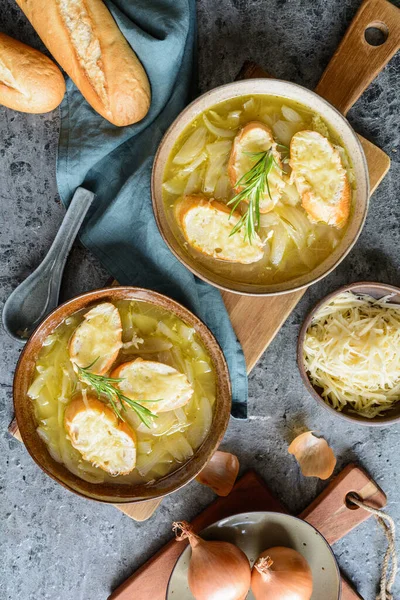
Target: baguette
(320, 178)
(149, 380)
(207, 227)
(256, 137)
(29, 81)
(97, 341)
(96, 433)
(85, 40)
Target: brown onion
(217, 570)
(281, 574)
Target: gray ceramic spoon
(38, 294)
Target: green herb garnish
(254, 183)
(105, 386)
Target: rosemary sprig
(105, 386)
(254, 183)
(286, 148)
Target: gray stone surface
(55, 545)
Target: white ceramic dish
(254, 532)
(315, 103)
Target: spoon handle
(73, 219)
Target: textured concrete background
(55, 545)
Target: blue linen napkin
(115, 163)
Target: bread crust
(73, 346)
(233, 174)
(155, 407)
(342, 211)
(79, 405)
(127, 88)
(187, 203)
(29, 81)
(335, 214)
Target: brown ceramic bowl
(108, 492)
(376, 290)
(285, 90)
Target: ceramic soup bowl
(118, 492)
(291, 93)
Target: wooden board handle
(356, 63)
(348, 593)
(331, 515)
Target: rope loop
(389, 566)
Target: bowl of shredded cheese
(349, 353)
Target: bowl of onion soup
(260, 187)
(122, 395)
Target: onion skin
(314, 455)
(220, 473)
(217, 570)
(286, 576)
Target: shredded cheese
(352, 353)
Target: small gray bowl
(376, 290)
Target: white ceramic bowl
(309, 99)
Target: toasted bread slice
(150, 380)
(96, 433)
(256, 137)
(320, 178)
(98, 338)
(207, 227)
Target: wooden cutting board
(353, 67)
(355, 64)
(328, 513)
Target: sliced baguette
(207, 228)
(150, 380)
(96, 433)
(85, 40)
(29, 81)
(98, 339)
(256, 137)
(320, 178)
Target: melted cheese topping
(256, 137)
(352, 352)
(317, 167)
(86, 44)
(95, 433)
(149, 380)
(208, 229)
(97, 338)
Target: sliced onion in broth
(192, 147)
